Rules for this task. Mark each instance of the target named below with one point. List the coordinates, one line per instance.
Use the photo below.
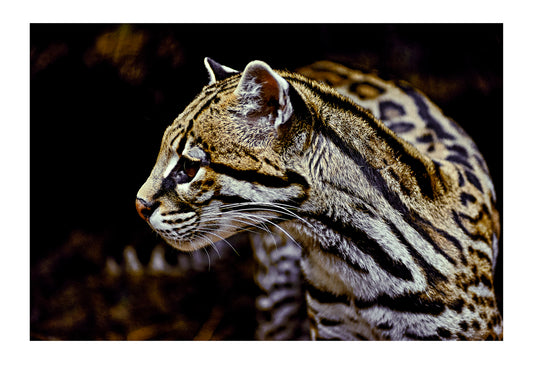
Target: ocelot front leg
(282, 311)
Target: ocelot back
(391, 201)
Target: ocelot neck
(355, 159)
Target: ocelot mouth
(196, 240)
(191, 233)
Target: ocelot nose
(145, 209)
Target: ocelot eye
(187, 167)
(191, 168)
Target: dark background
(100, 99)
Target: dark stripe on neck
(372, 248)
(359, 206)
(322, 296)
(417, 166)
(416, 222)
(346, 258)
(410, 302)
(368, 246)
(253, 176)
(412, 335)
(455, 243)
(432, 274)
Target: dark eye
(185, 170)
(190, 168)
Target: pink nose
(144, 209)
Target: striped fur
(395, 216)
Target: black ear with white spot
(264, 95)
(217, 71)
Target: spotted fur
(395, 216)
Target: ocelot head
(226, 163)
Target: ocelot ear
(217, 71)
(264, 95)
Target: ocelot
(391, 201)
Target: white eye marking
(171, 165)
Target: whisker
(222, 239)
(244, 215)
(206, 252)
(251, 216)
(256, 225)
(226, 226)
(272, 207)
(218, 251)
(208, 259)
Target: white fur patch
(171, 165)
